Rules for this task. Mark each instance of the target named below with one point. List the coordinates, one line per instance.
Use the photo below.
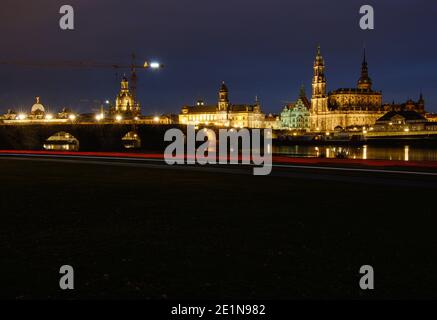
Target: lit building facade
(399, 121)
(272, 121)
(125, 102)
(348, 107)
(38, 114)
(224, 113)
(297, 116)
(410, 105)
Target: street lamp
(100, 116)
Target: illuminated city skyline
(268, 53)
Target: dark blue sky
(259, 47)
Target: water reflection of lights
(332, 152)
(365, 152)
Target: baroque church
(125, 102)
(348, 107)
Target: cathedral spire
(421, 99)
(302, 93)
(364, 83)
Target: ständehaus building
(224, 113)
(346, 107)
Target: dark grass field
(167, 234)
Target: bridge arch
(131, 140)
(61, 141)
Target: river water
(403, 153)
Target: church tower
(125, 102)
(421, 104)
(223, 103)
(365, 83)
(319, 100)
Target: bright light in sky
(155, 65)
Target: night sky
(259, 47)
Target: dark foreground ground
(134, 232)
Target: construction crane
(133, 67)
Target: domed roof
(37, 107)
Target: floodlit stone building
(349, 107)
(38, 114)
(297, 116)
(224, 113)
(37, 111)
(125, 102)
(410, 105)
(272, 121)
(401, 121)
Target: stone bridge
(92, 137)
